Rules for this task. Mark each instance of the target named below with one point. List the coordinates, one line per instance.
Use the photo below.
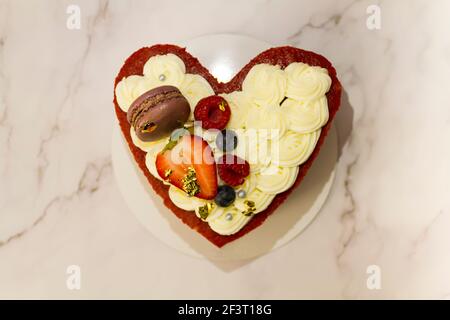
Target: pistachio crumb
(205, 210)
(190, 184)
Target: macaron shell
(167, 116)
(136, 105)
(153, 122)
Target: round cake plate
(224, 55)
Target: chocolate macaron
(157, 112)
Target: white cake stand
(224, 55)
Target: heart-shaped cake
(224, 156)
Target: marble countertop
(389, 209)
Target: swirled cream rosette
(229, 221)
(241, 106)
(165, 70)
(194, 88)
(306, 82)
(265, 84)
(130, 88)
(306, 116)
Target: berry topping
(213, 111)
(189, 165)
(227, 140)
(225, 196)
(233, 170)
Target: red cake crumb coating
(282, 56)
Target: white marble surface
(59, 204)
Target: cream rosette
(216, 211)
(265, 84)
(165, 70)
(261, 200)
(269, 122)
(130, 88)
(229, 222)
(249, 184)
(306, 82)
(147, 146)
(305, 116)
(241, 107)
(194, 88)
(260, 161)
(150, 164)
(183, 201)
(256, 150)
(294, 148)
(275, 179)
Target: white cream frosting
(241, 106)
(224, 226)
(269, 121)
(130, 88)
(265, 84)
(275, 179)
(306, 116)
(152, 149)
(260, 198)
(147, 146)
(150, 164)
(169, 65)
(306, 82)
(194, 88)
(254, 147)
(249, 184)
(183, 201)
(295, 148)
(274, 156)
(215, 212)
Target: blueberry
(227, 140)
(225, 196)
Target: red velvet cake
(280, 56)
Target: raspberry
(213, 111)
(233, 170)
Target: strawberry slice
(189, 165)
